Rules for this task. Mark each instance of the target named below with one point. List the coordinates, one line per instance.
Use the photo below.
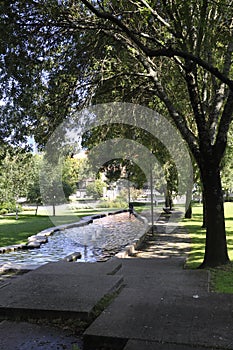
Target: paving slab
(94, 269)
(164, 275)
(57, 290)
(148, 345)
(187, 325)
(164, 305)
(27, 336)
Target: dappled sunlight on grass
(229, 227)
(197, 233)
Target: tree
(33, 193)
(95, 189)
(15, 174)
(200, 47)
(179, 51)
(56, 185)
(71, 170)
(125, 167)
(227, 167)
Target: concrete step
(59, 290)
(158, 318)
(163, 304)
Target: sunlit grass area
(14, 231)
(221, 277)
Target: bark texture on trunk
(216, 245)
(188, 212)
(188, 202)
(168, 199)
(204, 211)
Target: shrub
(116, 203)
(9, 207)
(95, 189)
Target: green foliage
(124, 167)
(95, 189)
(117, 203)
(33, 193)
(56, 182)
(173, 56)
(117, 169)
(71, 171)
(9, 207)
(59, 180)
(68, 189)
(121, 201)
(16, 173)
(227, 166)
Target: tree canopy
(173, 56)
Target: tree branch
(118, 22)
(221, 92)
(196, 103)
(167, 52)
(178, 120)
(170, 52)
(226, 119)
(155, 14)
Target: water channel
(97, 241)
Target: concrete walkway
(163, 306)
(160, 305)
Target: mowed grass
(14, 231)
(193, 226)
(221, 277)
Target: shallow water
(102, 239)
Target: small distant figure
(131, 209)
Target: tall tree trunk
(188, 201)
(204, 210)
(216, 246)
(188, 211)
(168, 198)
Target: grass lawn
(14, 231)
(221, 277)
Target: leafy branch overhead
(172, 56)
